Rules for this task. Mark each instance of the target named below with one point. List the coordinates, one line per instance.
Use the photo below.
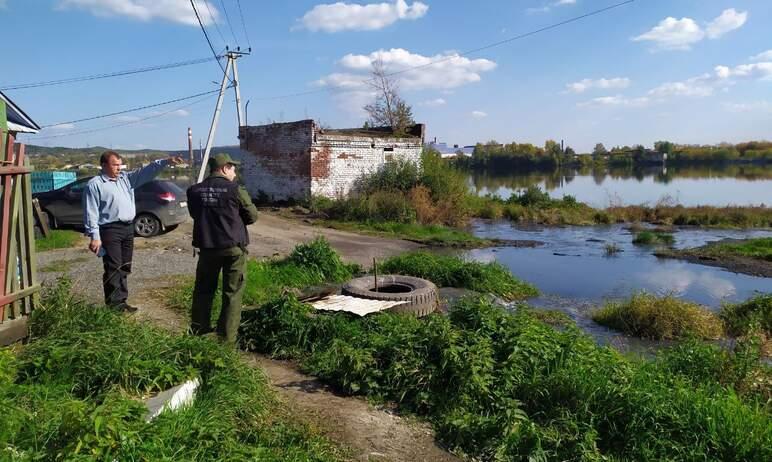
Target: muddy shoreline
(704, 255)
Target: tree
(599, 150)
(664, 147)
(552, 148)
(388, 109)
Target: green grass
(653, 238)
(71, 394)
(435, 235)
(449, 271)
(648, 316)
(500, 385)
(759, 248)
(309, 264)
(58, 239)
(752, 317)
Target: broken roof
(18, 120)
(414, 131)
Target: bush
(395, 176)
(447, 271)
(653, 238)
(504, 386)
(648, 316)
(740, 318)
(72, 394)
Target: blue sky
(691, 71)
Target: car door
(69, 210)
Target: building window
(388, 149)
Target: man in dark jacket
(221, 211)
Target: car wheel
(146, 225)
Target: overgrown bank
(505, 386)
(749, 256)
(501, 385)
(72, 394)
(422, 201)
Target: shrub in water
(648, 316)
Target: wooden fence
(19, 289)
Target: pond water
(574, 274)
(717, 185)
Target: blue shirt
(109, 200)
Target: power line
(131, 122)
(214, 21)
(468, 52)
(20, 86)
(102, 116)
(228, 20)
(203, 29)
(243, 24)
(516, 37)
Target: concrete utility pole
(190, 154)
(232, 57)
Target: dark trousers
(118, 242)
(232, 263)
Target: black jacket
(221, 209)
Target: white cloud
(617, 100)
(178, 11)
(681, 34)
(479, 114)
(126, 118)
(180, 113)
(546, 8)
(63, 127)
(728, 21)
(755, 106)
(602, 83)
(760, 71)
(673, 34)
(696, 87)
(764, 56)
(340, 16)
(433, 102)
(416, 72)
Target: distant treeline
(494, 155)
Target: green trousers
(232, 263)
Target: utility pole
(190, 154)
(232, 57)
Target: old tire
(420, 294)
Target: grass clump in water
(449, 271)
(653, 238)
(752, 317)
(648, 316)
(500, 385)
(71, 394)
(611, 249)
(58, 239)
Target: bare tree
(388, 109)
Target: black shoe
(126, 308)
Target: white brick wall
(294, 160)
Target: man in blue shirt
(108, 215)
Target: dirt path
(372, 434)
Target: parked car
(161, 206)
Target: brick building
(295, 160)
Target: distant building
(296, 160)
(449, 151)
(18, 121)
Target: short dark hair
(105, 157)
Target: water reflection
(701, 185)
(572, 265)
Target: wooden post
(41, 217)
(375, 273)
